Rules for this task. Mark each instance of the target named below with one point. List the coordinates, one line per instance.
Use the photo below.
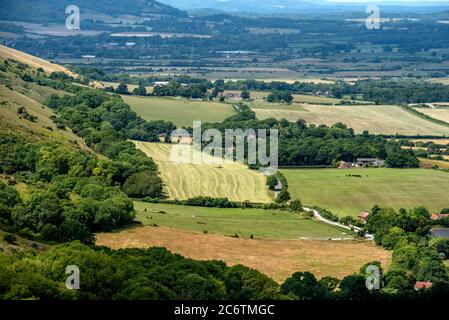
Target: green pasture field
(181, 112)
(343, 193)
(259, 223)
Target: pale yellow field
(278, 259)
(297, 98)
(187, 180)
(32, 61)
(436, 141)
(376, 119)
(440, 114)
(131, 87)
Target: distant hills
(42, 11)
(302, 6)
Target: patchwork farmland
(182, 181)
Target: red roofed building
(423, 285)
(363, 216)
(437, 216)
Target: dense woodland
(309, 145)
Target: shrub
(143, 184)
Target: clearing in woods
(181, 112)
(187, 180)
(259, 223)
(278, 259)
(384, 119)
(348, 191)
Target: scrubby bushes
(143, 184)
(130, 274)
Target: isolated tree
(122, 89)
(143, 184)
(140, 90)
(245, 95)
(296, 205)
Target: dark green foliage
(143, 184)
(210, 202)
(304, 286)
(272, 182)
(280, 96)
(129, 274)
(122, 88)
(245, 95)
(140, 90)
(283, 196)
(295, 205)
(353, 288)
(174, 88)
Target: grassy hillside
(259, 223)
(182, 181)
(336, 190)
(181, 112)
(375, 119)
(32, 61)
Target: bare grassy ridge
(32, 61)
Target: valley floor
(278, 259)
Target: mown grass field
(375, 119)
(440, 114)
(259, 223)
(334, 190)
(187, 180)
(181, 112)
(278, 259)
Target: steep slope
(32, 61)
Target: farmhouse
(369, 162)
(182, 140)
(438, 216)
(345, 165)
(160, 83)
(363, 216)
(162, 137)
(278, 189)
(422, 285)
